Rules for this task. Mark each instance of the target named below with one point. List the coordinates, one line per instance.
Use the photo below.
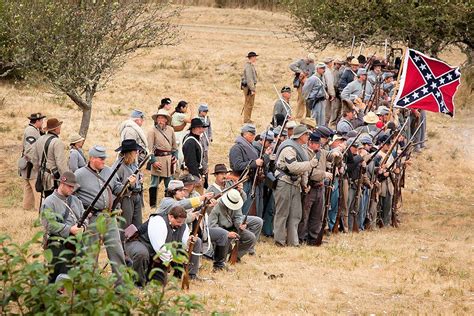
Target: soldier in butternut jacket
(50, 148)
(162, 142)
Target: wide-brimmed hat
(129, 145)
(308, 121)
(197, 122)
(69, 178)
(36, 116)
(354, 62)
(252, 54)
(311, 57)
(53, 123)
(371, 118)
(161, 112)
(233, 200)
(325, 132)
(299, 131)
(189, 179)
(377, 63)
(75, 138)
(220, 168)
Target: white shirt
(157, 232)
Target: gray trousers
(386, 206)
(288, 213)
(249, 236)
(317, 111)
(112, 243)
(336, 108)
(313, 213)
(353, 209)
(218, 237)
(131, 212)
(143, 261)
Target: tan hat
(327, 60)
(299, 131)
(308, 122)
(338, 60)
(354, 62)
(53, 123)
(371, 118)
(161, 112)
(291, 124)
(311, 57)
(75, 138)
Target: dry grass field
(424, 267)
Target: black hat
(36, 116)
(197, 122)
(315, 137)
(361, 59)
(166, 101)
(285, 89)
(377, 63)
(189, 179)
(220, 168)
(128, 145)
(252, 54)
(382, 138)
(325, 132)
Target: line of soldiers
(287, 182)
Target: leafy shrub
(87, 289)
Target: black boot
(220, 254)
(152, 192)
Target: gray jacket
(90, 186)
(250, 76)
(355, 90)
(222, 216)
(300, 66)
(30, 136)
(76, 159)
(281, 108)
(67, 211)
(314, 88)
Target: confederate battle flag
(427, 83)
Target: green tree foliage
(77, 46)
(87, 290)
(427, 25)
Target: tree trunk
(85, 121)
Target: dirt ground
(424, 267)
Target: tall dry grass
(424, 267)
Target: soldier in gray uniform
(26, 169)
(303, 68)
(132, 201)
(314, 92)
(282, 107)
(60, 212)
(355, 89)
(91, 178)
(77, 159)
(292, 167)
(49, 156)
(330, 87)
(248, 85)
(313, 203)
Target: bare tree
(77, 46)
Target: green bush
(87, 290)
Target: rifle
(336, 224)
(258, 171)
(352, 46)
(329, 188)
(89, 210)
(202, 212)
(119, 196)
(394, 144)
(356, 201)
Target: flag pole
(397, 86)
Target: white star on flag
(433, 85)
(422, 67)
(449, 76)
(406, 100)
(425, 90)
(438, 94)
(428, 76)
(442, 80)
(415, 95)
(416, 58)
